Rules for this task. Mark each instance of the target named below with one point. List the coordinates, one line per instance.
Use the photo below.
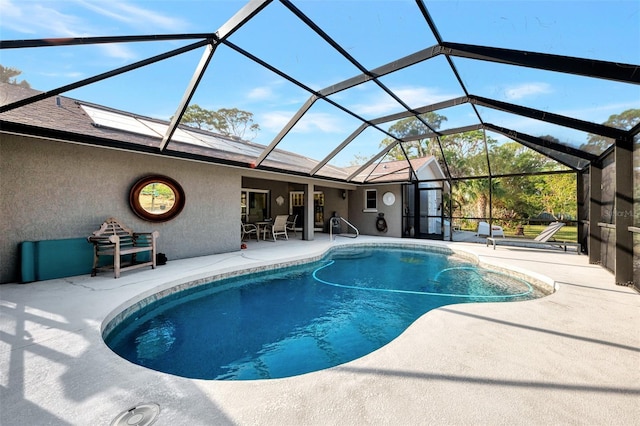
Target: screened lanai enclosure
(531, 110)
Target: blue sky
(373, 32)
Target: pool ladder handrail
(336, 220)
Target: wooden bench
(114, 239)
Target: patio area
(570, 358)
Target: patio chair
(249, 229)
(291, 224)
(483, 230)
(544, 238)
(278, 227)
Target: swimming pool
(303, 318)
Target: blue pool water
(304, 318)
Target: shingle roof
(391, 171)
(69, 116)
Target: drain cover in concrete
(140, 415)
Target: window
(254, 205)
(156, 198)
(371, 200)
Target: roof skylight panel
(179, 135)
(223, 144)
(119, 121)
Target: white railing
(335, 221)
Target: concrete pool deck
(570, 358)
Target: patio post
(308, 219)
(624, 212)
(595, 203)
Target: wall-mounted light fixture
(344, 195)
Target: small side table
(263, 225)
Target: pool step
(351, 254)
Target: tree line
(10, 74)
(472, 155)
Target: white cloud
(39, 18)
(70, 74)
(272, 91)
(367, 105)
(314, 122)
(135, 16)
(274, 120)
(119, 51)
(260, 93)
(310, 123)
(527, 90)
(421, 96)
(414, 96)
(30, 18)
(599, 113)
(9, 10)
(380, 106)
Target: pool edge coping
(128, 307)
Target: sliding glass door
(254, 205)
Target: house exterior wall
(334, 203)
(55, 190)
(366, 221)
(332, 196)
(276, 189)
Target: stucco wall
(334, 202)
(366, 221)
(54, 190)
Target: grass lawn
(566, 233)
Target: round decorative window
(388, 198)
(156, 198)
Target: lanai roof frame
(569, 156)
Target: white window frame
(367, 208)
(245, 213)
